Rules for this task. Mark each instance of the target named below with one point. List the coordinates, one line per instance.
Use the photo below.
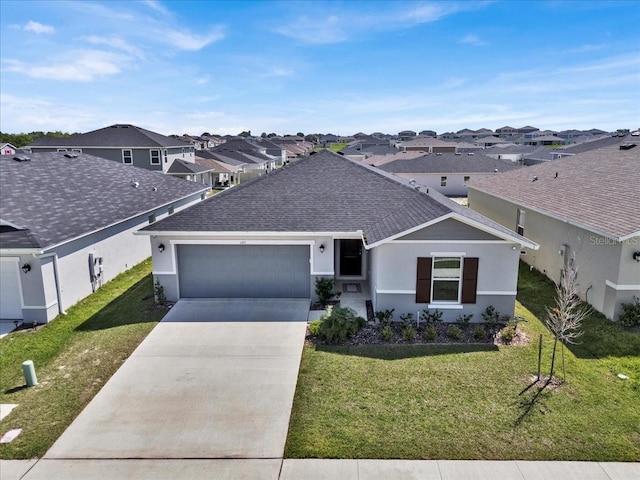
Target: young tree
(566, 318)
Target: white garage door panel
(244, 271)
(10, 302)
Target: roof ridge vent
(71, 155)
(21, 158)
(627, 146)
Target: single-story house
(583, 211)
(67, 223)
(327, 216)
(448, 173)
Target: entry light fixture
(636, 256)
(321, 248)
(161, 247)
(26, 268)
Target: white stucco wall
(599, 261)
(394, 268)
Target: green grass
(74, 356)
(334, 147)
(465, 402)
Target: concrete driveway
(214, 380)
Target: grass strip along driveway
(465, 402)
(74, 356)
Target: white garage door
(244, 271)
(10, 297)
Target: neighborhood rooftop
(596, 190)
(117, 136)
(324, 192)
(449, 163)
(53, 197)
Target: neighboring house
(506, 131)
(194, 172)
(67, 223)
(327, 216)
(7, 149)
(448, 173)
(544, 140)
(407, 135)
(234, 165)
(428, 145)
(583, 211)
(122, 143)
(513, 153)
(255, 156)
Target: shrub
(463, 321)
(430, 333)
(409, 333)
(385, 316)
(314, 327)
(479, 333)
(431, 318)
(338, 324)
(407, 318)
(386, 333)
(491, 316)
(158, 289)
(507, 334)
(630, 316)
(324, 290)
(454, 332)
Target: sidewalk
(311, 469)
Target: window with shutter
(469, 280)
(423, 280)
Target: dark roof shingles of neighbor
(449, 163)
(324, 192)
(597, 189)
(59, 198)
(180, 167)
(119, 135)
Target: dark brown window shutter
(469, 280)
(423, 280)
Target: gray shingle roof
(119, 135)
(324, 192)
(597, 190)
(449, 163)
(180, 167)
(58, 198)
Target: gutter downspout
(56, 279)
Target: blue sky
(339, 67)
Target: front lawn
(464, 402)
(74, 356)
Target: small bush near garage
(339, 323)
(631, 313)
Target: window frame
(443, 181)
(435, 278)
(157, 155)
(521, 221)
(125, 156)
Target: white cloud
(157, 6)
(324, 29)
(474, 40)
(79, 66)
(191, 41)
(38, 28)
(114, 42)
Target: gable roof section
(114, 136)
(180, 167)
(595, 190)
(58, 199)
(324, 192)
(449, 163)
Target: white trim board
(615, 286)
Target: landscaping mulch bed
(370, 335)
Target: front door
(350, 258)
